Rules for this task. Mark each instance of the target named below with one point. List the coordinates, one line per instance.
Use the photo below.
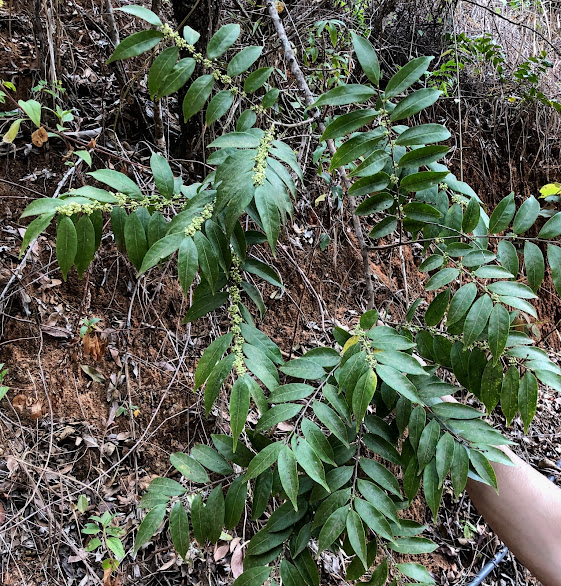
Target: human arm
(526, 515)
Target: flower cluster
(236, 317)
(85, 208)
(261, 157)
(367, 345)
(197, 222)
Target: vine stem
(309, 100)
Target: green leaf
(411, 480)
(256, 267)
(461, 302)
(290, 575)
(397, 381)
(35, 228)
(257, 79)
(483, 467)
(66, 245)
(414, 103)
(331, 420)
(499, 326)
(160, 250)
(347, 123)
(214, 514)
(288, 472)
(455, 411)
(266, 204)
(345, 94)
(222, 40)
(534, 265)
(167, 487)
(491, 385)
(367, 58)
(413, 545)
(278, 414)
(264, 460)
(135, 240)
(444, 457)
(85, 250)
(317, 439)
(471, 216)
(118, 182)
(378, 499)
(179, 529)
(12, 133)
(407, 76)
(432, 488)
(502, 215)
(189, 467)
(357, 538)
(262, 493)
(177, 77)
(211, 459)
(198, 520)
(423, 156)
(118, 219)
(417, 422)
(187, 264)
(442, 278)
(163, 175)
(243, 60)
(355, 147)
(309, 461)
(235, 502)
(554, 260)
(381, 475)
(204, 305)
(285, 516)
(161, 68)
(512, 289)
(423, 134)
(363, 394)
(437, 308)
(136, 44)
(211, 356)
(253, 577)
(384, 227)
(476, 319)
(239, 408)
(527, 398)
(33, 109)
(265, 541)
(114, 545)
(427, 444)
(149, 526)
(460, 469)
(400, 361)
(379, 576)
(141, 12)
(509, 394)
(218, 106)
(552, 228)
(332, 528)
(419, 182)
(416, 572)
(307, 567)
(303, 368)
(508, 256)
(197, 95)
(373, 518)
(526, 216)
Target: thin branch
(309, 100)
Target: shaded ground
(62, 434)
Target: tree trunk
(200, 15)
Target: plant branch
(309, 100)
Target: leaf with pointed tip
(432, 488)
(332, 528)
(427, 444)
(179, 529)
(189, 467)
(149, 526)
(66, 245)
(222, 40)
(483, 467)
(136, 44)
(367, 57)
(288, 472)
(499, 326)
(264, 460)
(476, 319)
(527, 398)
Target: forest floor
(102, 420)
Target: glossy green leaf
(432, 488)
(502, 215)
(527, 398)
(332, 528)
(347, 123)
(136, 44)
(423, 134)
(143, 13)
(239, 408)
(508, 257)
(509, 393)
(288, 472)
(66, 245)
(476, 319)
(211, 356)
(367, 58)
(161, 68)
(257, 79)
(460, 469)
(363, 394)
(345, 94)
(444, 457)
(552, 228)
(149, 526)
(554, 260)
(499, 326)
(534, 265)
(397, 381)
(407, 76)
(211, 459)
(483, 467)
(234, 503)
(373, 518)
(356, 536)
(197, 95)
(189, 467)
(427, 444)
(264, 460)
(243, 60)
(222, 40)
(526, 216)
(414, 103)
(256, 576)
(85, 250)
(179, 529)
(135, 240)
(442, 278)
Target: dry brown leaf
(91, 144)
(279, 6)
(220, 551)
(36, 410)
(19, 402)
(94, 346)
(39, 137)
(237, 562)
(2, 514)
